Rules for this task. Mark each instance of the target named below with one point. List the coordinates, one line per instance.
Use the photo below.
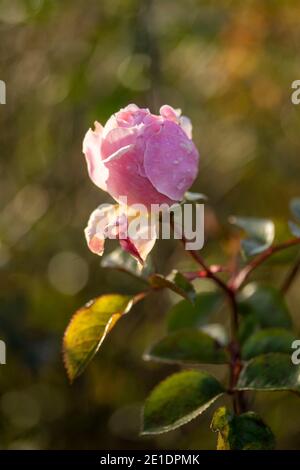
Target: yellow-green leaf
(88, 328)
(244, 432)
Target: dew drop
(181, 183)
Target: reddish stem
(234, 347)
(192, 275)
(241, 277)
(209, 273)
(290, 277)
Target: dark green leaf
(260, 233)
(176, 282)
(294, 228)
(273, 371)
(266, 341)
(295, 208)
(266, 304)
(244, 432)
(186, 315)
(88, 328)
(179, 399)
(248, 325)
(122, 261)
(188, 346)
(217, 332)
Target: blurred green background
(229, 65)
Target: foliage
(88, 329)
(186, 315)
(260, 233)
(270, 372)
(229, 65)
(257, 355)
(188, 346)
(178, 399)
(244, 432)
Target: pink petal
(132, 108)
(169, 113)
(128, 246)
(126, 180)
(131, 116)
(91, 148)
(142, 234)
(126, 177)
(118, 153)
(186, 125)
(96, 245)
(171, 161)
(95, 230)
(111, 123)
(113, 221)
(116, 139)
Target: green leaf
(266, 304)
(179, 399)
(193, 197)
(270, 372)
(261, 307)
(186, 315)
(267, 341)
(244, 432)
(189, 347)
(295, 208)
(176, 282)
(248, 325)
(294, 228)
(217, 332)
(261, 233)
(122, 261)
(88, 328)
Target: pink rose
(149, 159)
(144, 158)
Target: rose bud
(138, 158)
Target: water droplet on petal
(181, 184)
